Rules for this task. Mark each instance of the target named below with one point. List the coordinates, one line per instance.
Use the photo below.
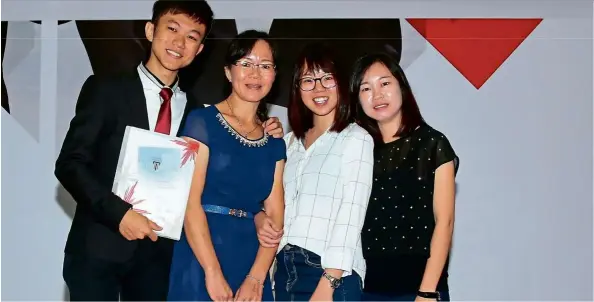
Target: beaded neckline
(243, 140)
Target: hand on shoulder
(274, 127)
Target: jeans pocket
(291, 270)
(311, 259)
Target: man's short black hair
(199, 10)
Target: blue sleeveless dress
(239, 175)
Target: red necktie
(164, 119)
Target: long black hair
(411, 115)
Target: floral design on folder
(129, 198)
(190, 150)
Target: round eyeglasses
(309, 83)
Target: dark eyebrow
(175, 23)
(381, 78)
(265, 61)
(312, 75)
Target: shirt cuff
(338, 260)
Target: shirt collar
(151, 81)
(324, 137)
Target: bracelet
(255, 279)
(429, 295)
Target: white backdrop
(524, 207)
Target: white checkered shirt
(327, 189)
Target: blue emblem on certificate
(159, 164)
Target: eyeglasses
(309, 83)
(264, 68)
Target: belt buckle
(237, 213)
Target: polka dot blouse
(399, 223)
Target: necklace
(237, 120)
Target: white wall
(524, 206)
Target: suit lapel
(137, 102)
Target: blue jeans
(298, 272)
(444, 296)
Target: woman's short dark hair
(411, 115)
(240, 47)
(318, 56)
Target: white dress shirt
(152, 87)
(327, 189)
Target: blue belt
(227, 211)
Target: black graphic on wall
(114, 46)
(5, 103)
(120, 45)
(205, 77)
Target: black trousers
(144, 277)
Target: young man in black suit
(112, 252)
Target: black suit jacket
(87, 163)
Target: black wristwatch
(429, 295)
(334, 282)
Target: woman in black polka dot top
(409, 223)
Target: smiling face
(252, 76)
(318, 91)
(380, 94)
(176, 40)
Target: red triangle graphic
(475, 47)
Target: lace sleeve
(444, 153)
(196, 126)
(280, 149)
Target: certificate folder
(154, 175)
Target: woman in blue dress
(238, 173)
